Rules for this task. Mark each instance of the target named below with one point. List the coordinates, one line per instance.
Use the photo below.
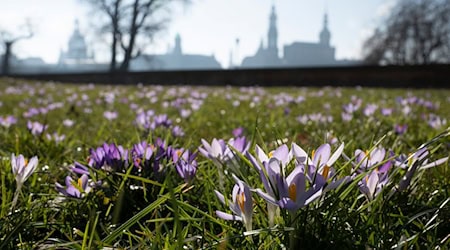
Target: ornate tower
(273, 33)
(177, 49)
(325, 34)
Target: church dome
(77, 45)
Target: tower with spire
(177, 49)
(266, 56)
(273, 32)
(325, 34)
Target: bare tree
(8, 39)
(416, 32)
(128, 22)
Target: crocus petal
(322, 155)
(29, 169)
(216, 148)
(312, 194)
(372, 182)
(253, 161)
(336, 155)
(300, 155)
(274, 167)
(282, 153)
(288, 204)
(385, 167)
(84, 182)
(61, 189)
(226, 216)
(220, 197)
(335, 184)
(266, 197)
(14, 165)
(435, 163)
(377, 155)
(261, 155)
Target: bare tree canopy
(129, 23)
(416, 32)
(8, 39)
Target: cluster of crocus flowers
(304, 184)
(145, 159)
(291, 179)
(109, 156)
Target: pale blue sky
(206, 26)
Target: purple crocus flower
(370, 109)
(162, 120)
(386, 111)
(110, 115)
(79, 168)
(22, 169)
(286, 192)
(290, 192)
(319, 169)
(68, 123)
(96, 158)
(237, 132)
(7, 121)
(416, 161)
(76, 189)
(36, 128)
(55, 137)
(216, 151)
(116, 156)
(400, 128)
(141, 154)
(185, 164)
(372, 184)
(177, 131)
(241, 204)
(367, 160)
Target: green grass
(140, 208)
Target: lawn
(86, 166)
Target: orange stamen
(326, 171)
(293, 192)
(241, 201)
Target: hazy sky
(206, 26)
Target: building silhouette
(266, 56)
(174, 59)
(297, 54)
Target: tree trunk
(6, 57)
(133, 33)
(115, 35)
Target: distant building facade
(174, 60)
(297, 54)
